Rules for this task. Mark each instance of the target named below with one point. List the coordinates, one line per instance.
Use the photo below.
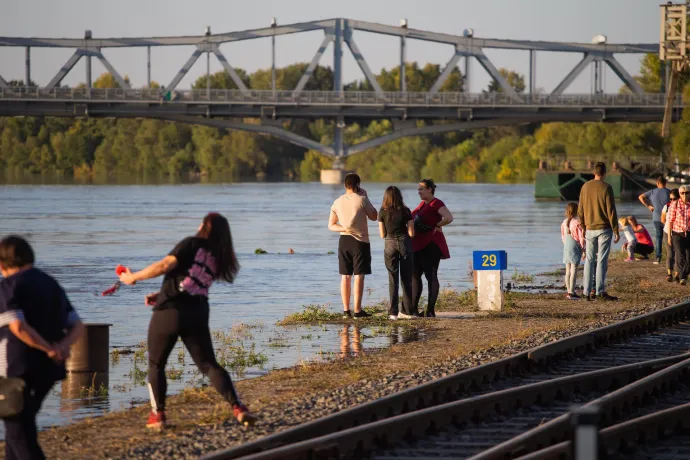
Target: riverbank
(201, 422)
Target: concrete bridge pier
(332, 176)
(336, 175)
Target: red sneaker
(243, 415)
(156, 420)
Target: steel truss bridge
(221, 108)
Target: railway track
(660, 433)
(507, 408)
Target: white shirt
(629, 234)
(667, 229)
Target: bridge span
(222, 108)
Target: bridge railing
(356, 98)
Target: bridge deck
(333, 98)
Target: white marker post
(489, 266)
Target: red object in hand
(120, 269)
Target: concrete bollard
(490, 290)
(91, 353)
(488, 267)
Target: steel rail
(358, 442)
(626, 436)
(611, 405)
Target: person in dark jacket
(37, 328)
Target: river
(80, 233)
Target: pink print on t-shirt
(201, 274)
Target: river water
(80, 233)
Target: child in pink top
(573, 248)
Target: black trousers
(398, 257)
(643, 249)
(681, 245)
(426, 263)
(21, 434)
(190, 322)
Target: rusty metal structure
(673, 49)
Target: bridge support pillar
(88, 75)
(87, 36)
(403, 83)
(532, 72)
(148, 66)
(332, 176)
(468, 64)
(338, 56)
(28, 66)
(337, 173)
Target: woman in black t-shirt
(397, 227)
(181, 309)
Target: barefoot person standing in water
(181, 309)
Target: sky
(622, 21)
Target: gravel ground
(206, 439)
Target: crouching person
(37, 327)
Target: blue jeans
(658, 238)
(598, 245)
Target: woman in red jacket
(429, 243)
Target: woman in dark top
(429, 243)
(396, 227)
(181, 309)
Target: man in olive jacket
(597, 214)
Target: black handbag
(420, 226)
(11, 396)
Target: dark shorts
(354, 257)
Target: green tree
(222, 80)
(442, 164)
(310, 168)
(514, 79)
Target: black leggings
(398, 256)
(426, 262)
(190, 322)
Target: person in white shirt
(629, 234)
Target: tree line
(100, 149)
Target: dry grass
(637, 284)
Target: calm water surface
(80, 233)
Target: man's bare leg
(345, 289)
(359, 291)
